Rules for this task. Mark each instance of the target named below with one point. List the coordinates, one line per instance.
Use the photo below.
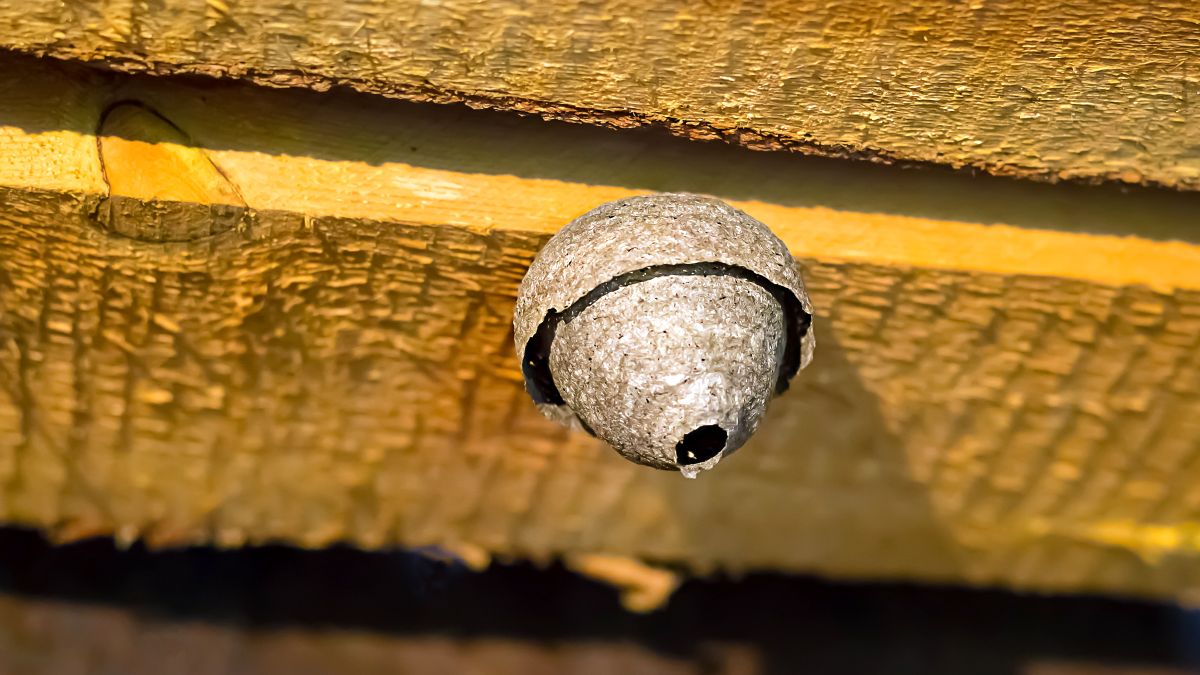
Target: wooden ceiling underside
(1047, 89)
(231, 313)
(1007, 389)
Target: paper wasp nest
(663, 324)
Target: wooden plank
(1051, 89)
(1007, 388)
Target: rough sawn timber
(1007, 388)
(1053, 89)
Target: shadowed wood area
(1006, 391)
(87, 608)
(1052, 89)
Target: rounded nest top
(638, 238)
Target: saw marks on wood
(1049, 89)
(1007, 389)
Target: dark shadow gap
(793, 624)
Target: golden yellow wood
(161, 187)
(1007, 388)
(1052, 89)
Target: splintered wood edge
(352, 156)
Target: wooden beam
(1052, 89)
(1007, 388)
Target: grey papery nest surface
(663, 324)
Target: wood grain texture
(1007, 389)
(1050, 89)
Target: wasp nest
(663, 324)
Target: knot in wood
(663, 324)
(162, 187)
